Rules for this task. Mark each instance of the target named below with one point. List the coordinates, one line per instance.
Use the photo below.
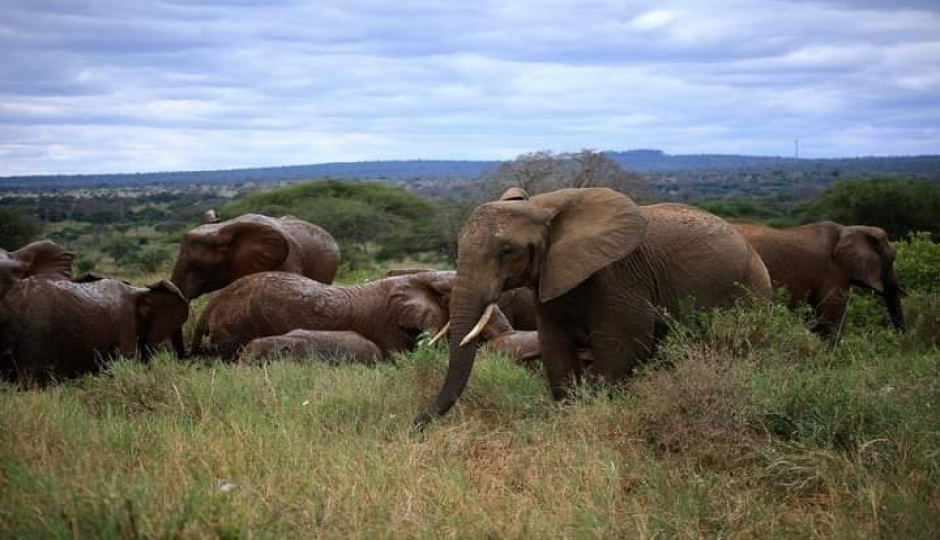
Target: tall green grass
(745, 426)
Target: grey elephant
(60, 328)
(334, 346)
(818, 262)
(603, 270)
(215, 254)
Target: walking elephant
(603, 269)
(818, 262)
(326, 345)
(390, 312)
(213, 255)
(63, 328)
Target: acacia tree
(542, 171)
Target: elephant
(390, 312)
(64, 327)
(44, 259)
(521, 346)
(604, 271)
(215, 254)
(517, 305)
(321, 344)
(817, 262)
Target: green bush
(151, 260)
(16, 229)
(899, 206)
(918, 262)
(369, 220)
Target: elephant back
(700, 256)
(313, 250)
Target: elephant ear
(515, 194)
(590, 229)
(45, 259)
(424, 302)
(163, 310)
(855, 253)
(255, 247)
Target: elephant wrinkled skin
(213, 255)
(390, 312)
(818, 262)
(58, 328)
(602, 267)
(334, 346)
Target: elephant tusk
(484, 319)
(437, 337)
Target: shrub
(899, 206)
(16, 229)
(918, 263)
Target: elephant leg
(559, 356)
(830, 314)
(618, 347)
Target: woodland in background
(126, 231)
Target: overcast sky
(126, 85)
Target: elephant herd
(583, 279)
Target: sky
(128, 86)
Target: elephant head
(212, 256)
(551, 242)
(161, 310)
(866, 256)
(41, 259)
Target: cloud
(143, 86)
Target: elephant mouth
(410, 336)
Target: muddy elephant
(818, 262)
(517, 305)
(333, 346)
(390, 312)
(603, 269)
(45, 259)
(213, 255)
(64, 328)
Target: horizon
(178, 86)
(450, 160)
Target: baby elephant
(332, 346)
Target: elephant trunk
(892, 298)
(467, 306)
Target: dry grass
(746, 429)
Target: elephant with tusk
(602, 269)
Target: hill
(429, 174)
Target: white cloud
(220, 84)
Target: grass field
(746, 426)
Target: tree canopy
(899, 206)
(361, 216)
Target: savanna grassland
(745, 425)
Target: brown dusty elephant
(64, 328)
(390, 312)
(517, 305)
(818, 262)
(213, 255)
(603, 269)
(334, 346)
(39, 260)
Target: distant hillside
(378, 170)
(421, 173)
